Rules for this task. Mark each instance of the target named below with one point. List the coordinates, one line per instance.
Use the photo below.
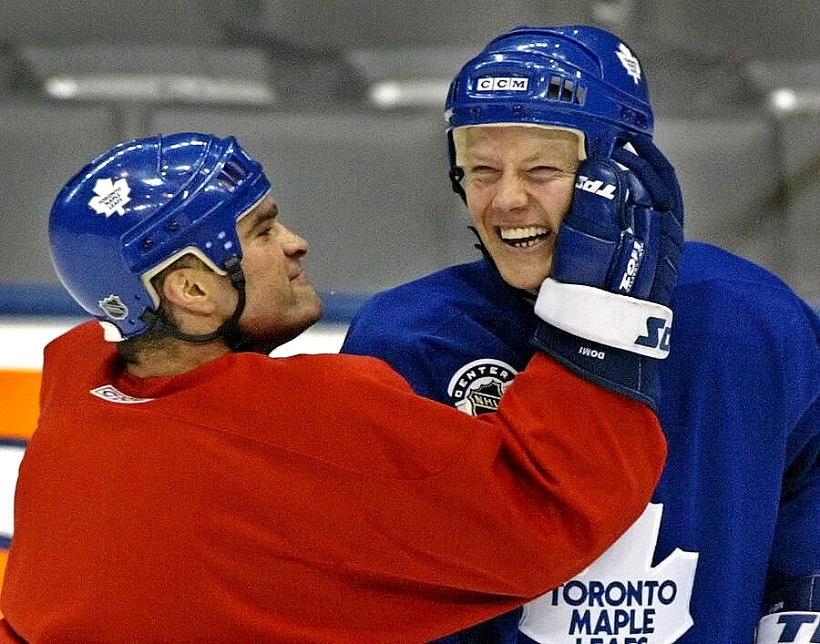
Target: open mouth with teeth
(524, 237)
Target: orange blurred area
(4, 555)
(19, 393)
(19, 409)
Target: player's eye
(544, 173)
(482, 172)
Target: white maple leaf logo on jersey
(111, 196)
(630, 62)
(620, 595)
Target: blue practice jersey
(739, 499)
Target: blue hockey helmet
(137, 208)
(576, 77)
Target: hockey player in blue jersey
(728, 552)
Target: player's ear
(193, 289)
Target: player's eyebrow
(260, 216)
(264, 215)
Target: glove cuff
(619, 321)
(627, 373)
(798, 627)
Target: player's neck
(175, 358)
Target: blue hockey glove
(615, 265)
(795, 612)
(658, 176)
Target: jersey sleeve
(797, 537)
(513, 502)
(475, 513)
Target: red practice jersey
(312, 498)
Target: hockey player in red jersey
(184, 486)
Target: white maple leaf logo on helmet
(111, 197)
(630, 62)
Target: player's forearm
(582, 468)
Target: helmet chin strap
(456, 175)
(229, 331)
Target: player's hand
(657, 175)
(615, 266)
(624, 233)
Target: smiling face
(519, 183)
(281, 301)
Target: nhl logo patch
(477, 387)
(114, 307)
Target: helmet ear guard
(576, 77)
(139, 206)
